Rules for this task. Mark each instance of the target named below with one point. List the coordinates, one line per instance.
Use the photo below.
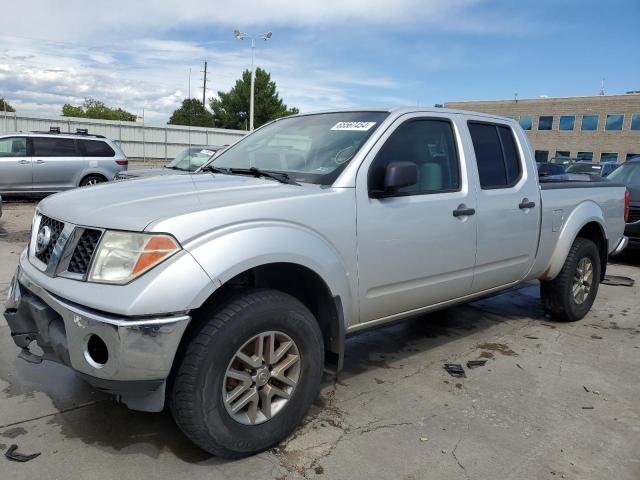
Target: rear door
(56, 163)
(413, 250)
(508, 212)
(15, 165)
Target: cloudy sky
(136, 54)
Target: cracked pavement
(553, 401)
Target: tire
(92, 180)
(196, 396)
(558, 294)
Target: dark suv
(629, 174)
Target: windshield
(308, 148)
(190, 159)
(627, 173)
(584, 168)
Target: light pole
(241, 36)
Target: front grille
(56, 228)
(634, 215)
(83, 252)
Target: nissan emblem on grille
(43, 239)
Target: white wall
(138, 141)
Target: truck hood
(132, 205)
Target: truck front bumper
(127, 357)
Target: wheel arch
(295, 279)
(586, 221)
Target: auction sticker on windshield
(353, 126)
(207, 152)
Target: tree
(231, 109)
(92, 108)
(5, 107)
(192, 112)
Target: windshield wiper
(256, 172)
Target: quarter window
(635, 121)
(585, 156)
(431, 146)
(496, 155)
(95, 148)
(526, 122)
(545, 123)
(614, 122)
(13, 147)
(54, 147)
(589, 123)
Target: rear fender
(583, 214)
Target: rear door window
(96, 148)
(54, 147)
(497, 157)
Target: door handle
(39, 162)
(24, 162)
(526, 204)
(463, 211)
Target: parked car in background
(628, 173)
(593, 168)
(564, 161)
(48, 162)
(188, 160)
(546, 169)
(228, 292)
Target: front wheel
(248, 377)
(570, 295)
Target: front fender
(583, 214)
(234, 249)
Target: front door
(15, 165)
(415, 248)
(508, 207)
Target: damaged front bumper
(127, 357)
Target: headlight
(123, 256)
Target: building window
(526, 122)
(614, 122)
(608, 157)
(567, 122)
(562, 153)
(542, 156)
(631, 155)
(585, 156)
(589, 123)
(635, 121)
(545, 123)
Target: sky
(136, 54)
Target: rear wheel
(92, 180)
(570, 295)
(249, 375)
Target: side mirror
(397, 175)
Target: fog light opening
(97, 351)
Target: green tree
(92, 108)
(192, 112)
(231, 109)
(5, 107)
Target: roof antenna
(602, 87)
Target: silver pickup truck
(227, 292)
